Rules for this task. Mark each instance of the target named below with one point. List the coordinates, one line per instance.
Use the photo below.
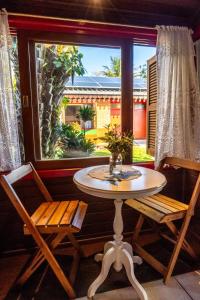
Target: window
(78, 96)
(140, 101)
(115, 97)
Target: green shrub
(72, 143)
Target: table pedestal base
(119, 254)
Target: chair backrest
(7, 181)
(23, 171)
(189, 165)
(182, 163)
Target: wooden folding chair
(57, 219)
(164, 210)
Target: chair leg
(177, 248)
(38, 260)
(74, 242)
(138, 228)
(186, 246)
(47, 254)
(58, 271)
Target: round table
(117, 252)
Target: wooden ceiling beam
(141, 13)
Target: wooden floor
(183, 287)
(10, 267)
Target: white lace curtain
(178, 107)
(198, 59)
(9, 142)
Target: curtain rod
(78, 20)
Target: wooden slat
(39, 212)
(151, 104)
(171, 202)
(69, 213)
(173, 217)
(19, 173)
(183, 163)
(152, 72)
(148, 202)
(163, 203)
(146, 210)
(79, 216)
(153, 88)
(58, 213)
(52, 229)
(43, 221)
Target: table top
(149, 183)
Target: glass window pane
(79, 93)
(16, 92)
(141, 55)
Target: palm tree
(141, 71)
(115, 68)
(86, 113)
(57, 63)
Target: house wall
(110, 113)
(102, 114)
(139, 121)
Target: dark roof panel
(104, 82)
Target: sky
(94, 58)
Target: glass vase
(115, 164)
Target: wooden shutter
(151, 104)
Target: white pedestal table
(117, 252)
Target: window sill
(56, 173)
(70, 172)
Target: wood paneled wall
(100, 214)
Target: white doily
(102, 173)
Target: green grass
(91, 131)
(101, 153)
(139, 154)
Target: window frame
(26, 54)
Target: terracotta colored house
(104, 95)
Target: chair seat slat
(58, 213)
(162, 203)
(170, 201)
(43, 221)
(146, 210)
(39, 212)
(80, 215)
(69, 213)
(148, 202)
(152, 213)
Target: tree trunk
(51, 89)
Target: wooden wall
(100, 213)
